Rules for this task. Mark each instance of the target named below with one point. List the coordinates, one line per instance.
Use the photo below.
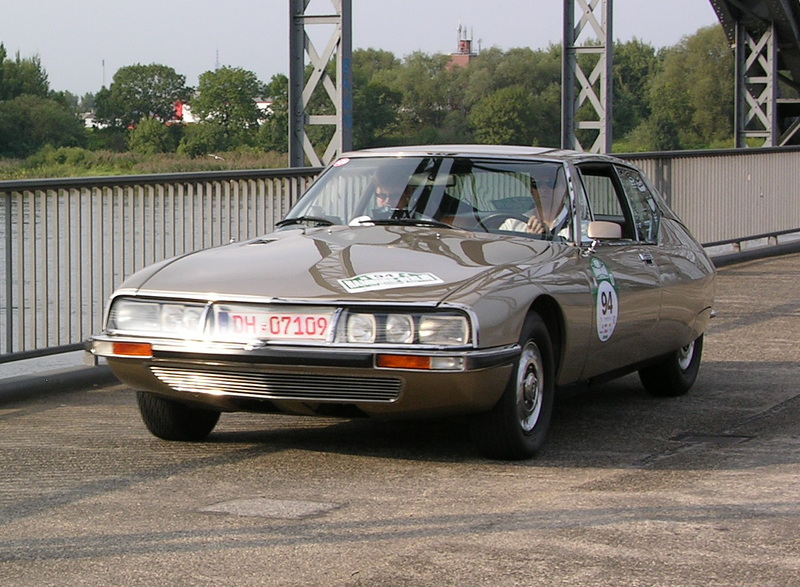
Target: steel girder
(339, 91)
(766, 38)
(765, 34)
(586, 97)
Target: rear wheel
(676, 374)
(171, 420)
(517, 426)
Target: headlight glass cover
(400, 328)
(156, 317)
(359, 327)
(443, 330)
(404, 328)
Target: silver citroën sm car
(423, 282)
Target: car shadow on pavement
(614, 425)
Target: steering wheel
(495, 219)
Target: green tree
(141, 91)
(22, 76)
(29, 122)
(495, 69)
(546, 116)
(367, 63)
(695, 89)
(273, 135)
(504, 117)
(375, 108)
(31, 116)
(203, 139)
(151, 136)
(537, 72)
(635, 63)
(226, 97)
(421, 81)
(14, 139)
(664, 134)
(112, 138)
(375, 104)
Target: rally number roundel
(607, 304)
(606, 299)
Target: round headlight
(399, 328)
(361, 328)
(181, 319)
(171, 318)
(192, 317)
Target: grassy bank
(78, 162)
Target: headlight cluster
(139, 316)
(187, 320)
(440, 329)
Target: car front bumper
(317, 380)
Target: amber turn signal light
(402, 362)
(133, 349)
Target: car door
(622, 274)
(684, 270)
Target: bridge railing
(68, 243)
(729, 195)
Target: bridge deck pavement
(631, 490)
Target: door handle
(647, 258)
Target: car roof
(490, 151)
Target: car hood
(363, 264)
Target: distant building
(465, 53)
(183, 111)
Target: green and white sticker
(606, 300)
(388, 280)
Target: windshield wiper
(410, 222)
(301, 219)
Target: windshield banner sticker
(606, 300)
(387, 280)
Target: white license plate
(243, 323)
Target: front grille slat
(294, 386)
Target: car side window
(646, 216)
(605, 198)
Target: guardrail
(729, 195)
(68, 243)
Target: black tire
(675, 375)
(171, 420)
(516, 427)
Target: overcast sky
(82, 43)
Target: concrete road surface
(631, 490)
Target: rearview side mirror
(602, 230)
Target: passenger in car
(536, 223)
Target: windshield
(482, 195)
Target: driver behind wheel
(392, 192)
(535, 223)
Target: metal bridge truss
(586, 97)
(764, 33)
(766, 37)
(304, 94)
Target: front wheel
(676, 374)
(517, 426)
(171, 420)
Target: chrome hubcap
(529, 387)
(685, 355)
